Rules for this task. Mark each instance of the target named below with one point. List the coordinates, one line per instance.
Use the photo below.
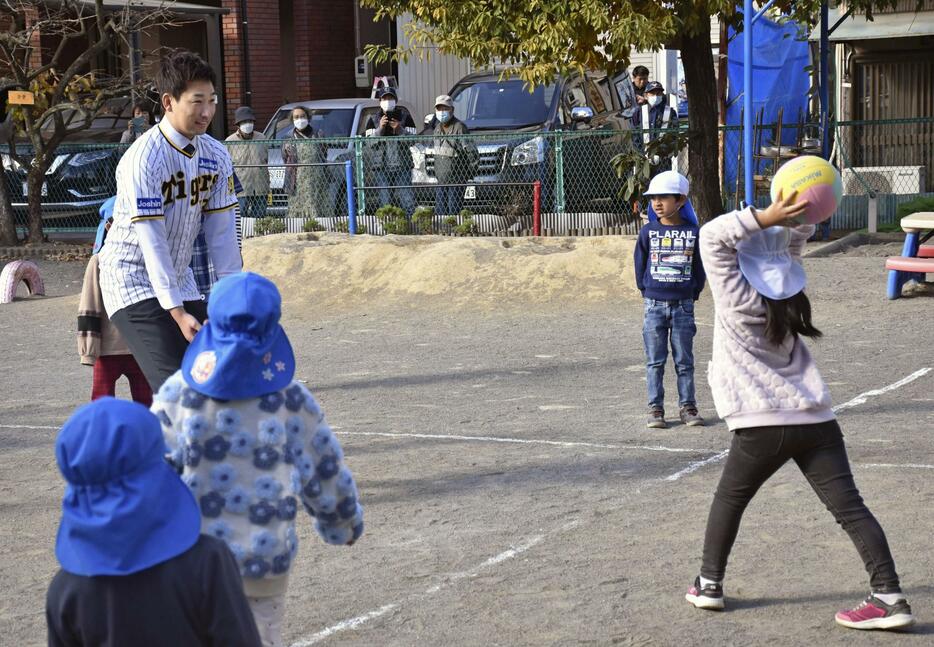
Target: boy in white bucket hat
(670, 277)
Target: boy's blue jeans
(674, 320)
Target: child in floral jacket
(252, 444)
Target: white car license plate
(470, 193)
(44, 192)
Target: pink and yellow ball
(815, 180)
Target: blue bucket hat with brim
(671, 183)
(767, 264)
(241, 351)
(106, 212)
(125, 509)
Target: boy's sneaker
(690, 417)
(657, 419)
(708, 597)
(873, 613)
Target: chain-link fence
(882, 164)
(483, 183)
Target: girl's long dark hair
(791, 316)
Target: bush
(393, 219)
(312, 224)
(467, 226)
(910, 207)
(423, 219)
(343, 227)
(269, 225)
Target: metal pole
(747, 101)
(358, 161)
(351, 207)
(559, 172)
(537, 208)
(135, 63)
(824, 79)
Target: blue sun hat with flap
(125, 509)
(241, 351)
(106, 212)
(671, 183)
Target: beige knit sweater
(96, 335)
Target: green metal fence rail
(883, 163)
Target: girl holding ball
(767, 388)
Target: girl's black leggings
(756, 454)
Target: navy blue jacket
(668, 262)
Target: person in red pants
(99, 342)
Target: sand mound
(335, 271)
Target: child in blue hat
(670, 276)
(135, 568)
(253, 444)
(99, 342)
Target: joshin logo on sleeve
(148, 204)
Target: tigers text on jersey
(166, 185)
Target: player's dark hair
(791, 316)
(180, 68)
(640, 70)
(303, 109)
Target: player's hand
(383, 121)
(782, 212)
(186, 323)
(640, 99)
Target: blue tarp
(780, 80)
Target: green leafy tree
(68, 90)
(541, 38)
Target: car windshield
(502, 104)
(336, 122)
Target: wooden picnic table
(917, 259)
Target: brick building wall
(321, 61)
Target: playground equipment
(20, 272)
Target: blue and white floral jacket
(249, 463)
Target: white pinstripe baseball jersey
(165, 183)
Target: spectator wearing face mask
(250, 160)
(306, 185)
(654, 119)
(139, 124)
(391, 160)
(640, 78)
(452, 156)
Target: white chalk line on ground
(449, 579)
(696, 465)
(863, 397)
(522, 441)
(859, 399)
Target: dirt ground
(512, 493)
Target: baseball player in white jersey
(169, 181)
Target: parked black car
(82, 175)
(501, 110)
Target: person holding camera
(136, 126)
(390, 159)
